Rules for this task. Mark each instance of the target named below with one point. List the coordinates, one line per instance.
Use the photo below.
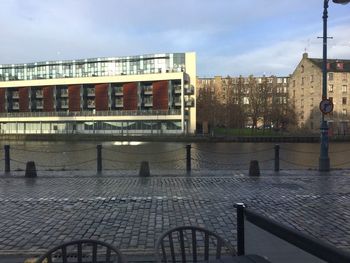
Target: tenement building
(306, 93)
(241, 91)
(149, 94)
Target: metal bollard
(7, 158)
(188, 157)
(277, 158)
(240, 228)
(99, 158)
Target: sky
(230, 37)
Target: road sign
(326, 106)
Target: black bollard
(277, 158)
(30, 170)
(240, 228)
(144, 169)
(7, 158)
(188, 157)
(99, 158)
(254, 169)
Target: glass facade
(96, 67)
(98, 127)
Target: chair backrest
(191, 244)
(81, 251)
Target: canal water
(170, 156)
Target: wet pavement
(131, 212)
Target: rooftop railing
(90, 113)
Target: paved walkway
(131, 212)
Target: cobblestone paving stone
(131, 212)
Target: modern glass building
(149, 94)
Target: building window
(344, 101)
(340, 65)
(312, 78)
(245, 100)
(331, 99)
(302, 68)
(293, 83)
(330, 87)
(345, 77)
(330, 76)
(302, 81)
(344, 88)
(345, 112)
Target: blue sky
(230, 37)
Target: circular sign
(326, 106)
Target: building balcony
(148, 103)
(15, 95)
(119, 103)
(39, 106)
(189, 89)
(148, 90)
(15, 106)
(39, 94)
(177, 102)
(64, 94)
(91, 92)
(118, 91)
(177, 89)
(189, 102)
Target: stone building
(237, 90)
(305, 92)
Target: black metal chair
(191, 244)
(83, 251)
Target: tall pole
(324, 158)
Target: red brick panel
(74, 98)
(23, 99)
(160, 95)
(48, 98)
(2, 100)
(130, 96)
(101, 96)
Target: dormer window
(328, 66)
(340, 65)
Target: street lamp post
(324, 163)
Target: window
(340, 65)
(344, 100)
(345, 77)
(302, 81)
(331, 99)
(245, 100)
(311, 102)
(312, 78)
(293, 83)
(330, 87)
(344, 88)
(302, 68)
(344, 112)
(330, 76)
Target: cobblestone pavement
(131, 212)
